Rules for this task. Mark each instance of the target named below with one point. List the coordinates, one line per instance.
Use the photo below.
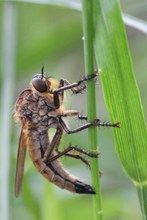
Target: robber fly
(39, 108)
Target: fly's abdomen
(36, 152)
(54, 172)
(68, 181)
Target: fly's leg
(70, 148)
(76, 156)
(54, 144)
(88, 125)
(73, 113)
(97, 122)
(59, 96)
(76, 87)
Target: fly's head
(40, 82)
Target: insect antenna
(42, 72)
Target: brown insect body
(37, 113)
(39, 108)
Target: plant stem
(91, 100)
(142, 194)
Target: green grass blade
(120, 89)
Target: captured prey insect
(39, 108)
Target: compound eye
(39, 85)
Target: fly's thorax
(21, 105)
(37, 110)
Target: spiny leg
(97, 122)
(76, 87)
(88, 125)
(78, 157)
(70, 148)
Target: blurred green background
(52, 36)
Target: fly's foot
(91, 76)
(92, 154)
(98, 123)
(117, 125)
(84, 79)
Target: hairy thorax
(37, 110)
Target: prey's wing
(20, 162)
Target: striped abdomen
(54, 172)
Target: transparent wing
(21, 154)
